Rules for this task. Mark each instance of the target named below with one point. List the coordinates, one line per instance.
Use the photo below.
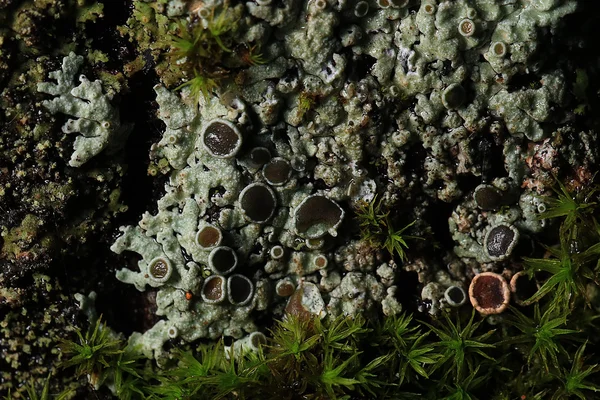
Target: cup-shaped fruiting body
(209, 237)
(319, 5)
(214, 289)
(251, 343)
(222, 260)
(258, 202)
(489, 293)
(317, 215)
(204, 12)
(314, 244)
(239, 290)
(263, 2)
(499, 241)
(466, 27)
(259, 156)
(173, 332)
(221, 138)
(428, 8)
(453, 96)
(488, 197)
(171, 139)
(383, 3)
(314, 7)
(499, 49)
(256, 340)
(285, 288)
(471, 13)
(361, 9)
(160, 269)
(277, 252)
(455, 296)
(522, 287)
(277, 171)
(320, 261)
(298, 164)
(394, 91)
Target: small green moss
(545, 334)
(200, 85)
(92, 352)
(376, 228)
(251, 55)
(575, 380)
(306, 102)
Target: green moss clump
(377, 228)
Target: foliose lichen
(419, 104)
(98, 121)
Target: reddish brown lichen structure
(489, 293)
(295, 307)
(213, 290)
(522, 287)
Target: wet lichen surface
(193, 171)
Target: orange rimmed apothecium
(489, 293)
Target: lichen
(278, 124)
(97, 121)
(401, 105)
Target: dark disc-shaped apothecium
(455, 296)
(209, 236)
(259, 156)
(240, 289)
(160, 269)
(500, 240)
(453, 96)
(257, 340)
(285, 288)
(317, 215)
(222, 260)
(277, 171)
(221, 138)
(488, 197)
(258, 202)
(361, 9)
(214, 289)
